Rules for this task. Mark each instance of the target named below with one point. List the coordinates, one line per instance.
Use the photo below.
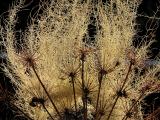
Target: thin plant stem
(113, 107)
(47, 111)
(126, 117)
(86, 110)
(45, 90)
(99, 90)
(125, 80)
(74, 93)
(98, 96)
(83, 87)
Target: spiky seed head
(27, 58)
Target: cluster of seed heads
(62, 75)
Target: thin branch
(98, 96)
(83, 87)
(47, 111)
(126, 117)
(125, 80)
(45, 90)
(74, 93)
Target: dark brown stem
(45, 90)
(126, 117)
(83, 87)
(74, 93)
(47, 111)
(98, 96)
(86, 110)
(113, 107)
(125, 80)
(100, 77)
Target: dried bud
(28, 59)
(85, 50)
(131, 56)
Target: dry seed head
(27, 59)
(57, 38)
(131, 55)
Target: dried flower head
(85, 50)
(131, 55)
(27, 58)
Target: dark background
(145, 26)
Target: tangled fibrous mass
(60, 74)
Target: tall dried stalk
(54, 106)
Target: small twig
(47, 111)
(83, 87)
(86, 110)
(125, 80)
(100, 77)
(126, 117)
(113, 107)
(74, 93)
(98, 96)
(45, 90)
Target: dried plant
(61, 76)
